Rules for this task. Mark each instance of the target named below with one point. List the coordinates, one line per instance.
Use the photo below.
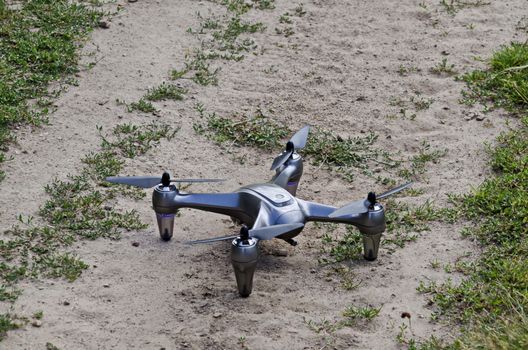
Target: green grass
(491, 302)
(38, 45)
(505, 83)
(6, 324)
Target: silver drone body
(267, 210)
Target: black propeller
(363, 205)
(262, 234)
(298, 141)
(151, 181)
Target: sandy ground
(338, 71)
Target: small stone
(480, 118)
(132, 0)
(106, 285)
(280, 252)
(406, 315)
(104, 24)
(217, 315)
(36, 323)
(135, 244)
(65, 303)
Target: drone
(265, 210)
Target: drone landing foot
(371, 243)
(291, 241)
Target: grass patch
(492, 302)
(6, 324)
(38, 45)
(142, 106)
(324, 148)
(352, 315)
(131, 140)
(444, 68)
(258, 131)
(165, 92)
(348, 247)
(505, 83)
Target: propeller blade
(151, 181)
(281, 159)
(300, 137)
(271, 232)
(354, 208)
(394, 190)
(211, 240)
(197, 180)
(138, 181)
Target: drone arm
(370, 222)
(221, 203)
(315, 211)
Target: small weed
(285, 18)
(407, 70)
(444, 68)
(38, 315)
(177, 74)
(324, 326)
(453, 6)
(142, 105)
(203, 74)
(435, 264)
(299, 10)
(286, 31)
(367, 313)
(420, 162)
(165, 92)
(264, 4)
(6, 324)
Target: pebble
(280, 252)
(36, 323)
(65, 303)
(106, 285)
(104, 24)
(217, 315)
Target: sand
(338, 71)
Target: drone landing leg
(371, 243)
(244, 255)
